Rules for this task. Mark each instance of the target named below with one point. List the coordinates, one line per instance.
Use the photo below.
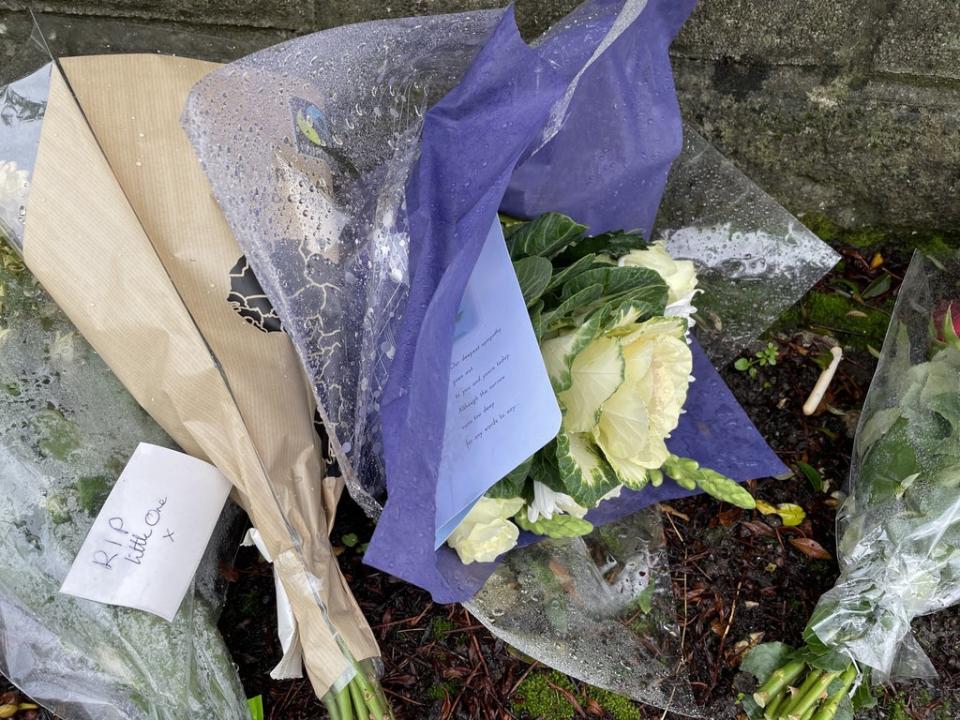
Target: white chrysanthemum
(486, 532)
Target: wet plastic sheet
(899, 529)
(754, 259)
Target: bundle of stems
(798, 691)
(360, 699)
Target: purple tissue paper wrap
(507, 139)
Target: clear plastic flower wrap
(67, 427)
(899, 528)
(898, 531)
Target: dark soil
(738, 578)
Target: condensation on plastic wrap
(67, 427)
(599, 608)
(754, 259)
(899, 529)
(331, 125)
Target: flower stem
(801, 692)
(779, 680)
(812, 696)
(343, 704)
(330, 701)
(829, 709)
(772, 711)
(370, 694)
(361, 707)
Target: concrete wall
(849, 108)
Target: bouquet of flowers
(899, 542)
(612, 315)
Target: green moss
(904, 240)
(537, 699)
(92, 492)
(441, 626)
(617, 706)
(59, 436)
(441, 690)
(899, 710)
(832, 313)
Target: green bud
(723, 488)
(655, 477)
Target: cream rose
(486, 532)
(680, 276)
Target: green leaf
(573, 304)
(545, 236)
(595, 374)
(615, 244)
(825, 658)
(306, 127)
(256, 707)
(644, 600)
(350, 539)
(642, 283)
(863, 697)
(586, 475)
(791, 514)
(560, 526)
(545, 468)
(536, 319)
(844, 710)
(811, 474)
(764, 659)
(560, 352)
(742, 364)
(534, 274)
(877, 288)
(562, 274)
(512, 484)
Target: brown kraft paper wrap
(128, 240)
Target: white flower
(635, 421)
(547, 503)
(680, 276)
(486, 532)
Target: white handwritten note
(501, 407)
(146, 544)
